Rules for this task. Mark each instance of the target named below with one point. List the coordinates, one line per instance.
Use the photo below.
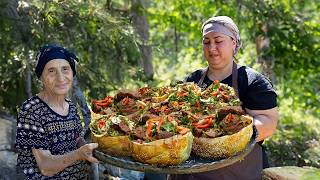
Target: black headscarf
(50, 52)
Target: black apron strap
(235, 78)
(203, 75)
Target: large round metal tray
(192, 165)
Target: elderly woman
(221, 41)
(48, 127)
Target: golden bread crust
(225, 146)
(169, 151)
(114, 146)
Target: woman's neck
(57, 103)
(220, 74)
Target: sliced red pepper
(230, 116)
(98, 101)
(149, 129)
(225, 97)
(101, 123)
(159, 125)
(103, 105)
(195, 124)
(207, 124)
(144, 90)
(108, 98)
(104, 100)
(126, 101)
(203, 126)
(214, 94)
(197, 104)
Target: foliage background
(102, 34)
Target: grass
(297, 140)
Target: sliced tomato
(214, 94)
(197, 104)
(103, 105)
(206, 123)
(159, 125)
(149, 129)
(126, 101)
(101, 123)
(225, 97)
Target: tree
(105, 45)
(141, 25)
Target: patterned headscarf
(224, 25)
(50, 52)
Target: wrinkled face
(57, 77)
(218, 49)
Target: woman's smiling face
(218, 49)
(57, 77)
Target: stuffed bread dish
(111, 133)
(161, 142)
(224, 134)
(161, 126)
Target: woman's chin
(62, 91)
(215, 65)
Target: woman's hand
(85, 152)
(50, 164)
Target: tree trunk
(176, 40)
(266, 61)
(78, 97)
(142, 28)
(28, 80)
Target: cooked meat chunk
(197, 132)
(222, 112)
(147, 116)
(125, 128)
(212, 133)
(135, 117)
(96, 108)
(140, 132)
(115, 127)
(125, 93)
(164, 134)
(128, 110)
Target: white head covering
(224, 25)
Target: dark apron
(249, 168)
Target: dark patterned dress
(39, 127)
